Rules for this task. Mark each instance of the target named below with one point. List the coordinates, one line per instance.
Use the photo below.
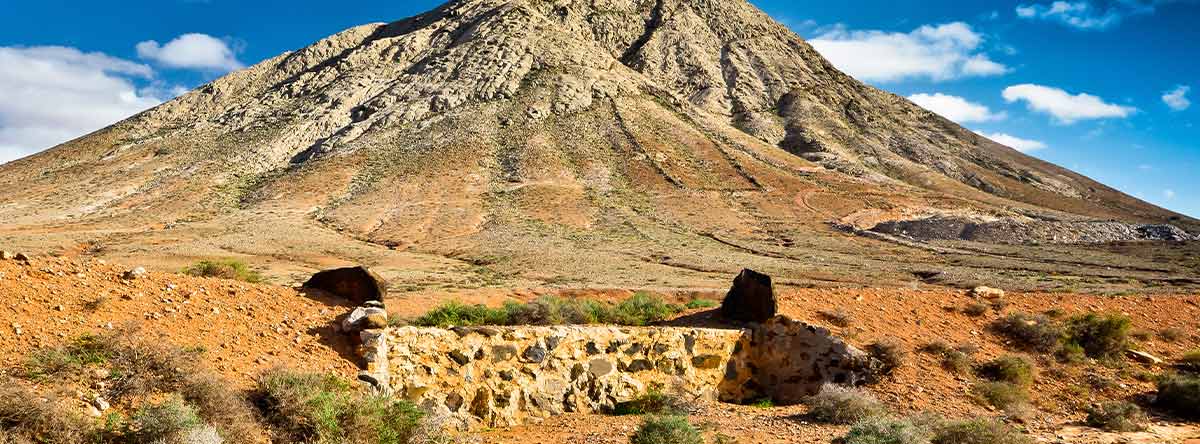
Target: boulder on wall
(751, 299)
(355, 284)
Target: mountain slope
(604, 142)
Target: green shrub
(81, 352)
(324, 409)
(653, 402)
(978, 431)
(1102, 337)
(958, 359)
(1117, 416)
(134, 371)
(1002, 395)
(1180, 394)
(666, 430)
(1012, 369)
(696, 304)
(1071, 353)
(1034, 333)
(224, 269)
(638, 310)
(880, 430)
(455, 313)
(763, 403)
(836, 404)
(168, 421)
(643, 309)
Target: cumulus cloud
(51, 94)
(1169, 194)
(1063, 106)
(941, 52)
(955, 108)
(1084, 14)
(1014, 142)
(191, 51)
(1176, 99)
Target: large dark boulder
(356, 284)
(752, 298)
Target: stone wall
(501, 376)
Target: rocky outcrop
(1014, 231)
(503, 376)
(355, 284)
(751, 299)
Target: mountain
(574, 143)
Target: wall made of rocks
(501, 376)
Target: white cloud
(1177, 99)
(1065, 107)
(191, 51)
(1145, 167)
(1014, 142)
(955, 108)
(1169, 194)
(941, 52)
(1083, 14)
(49, 95)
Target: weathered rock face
(356, 284)
(495, 377)
(787, 360)
(752, 298)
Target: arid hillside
(242, 330)
(617, 143)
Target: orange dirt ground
(247, 328)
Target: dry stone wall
(501, 376)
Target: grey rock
(134, 274)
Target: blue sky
(1102, 87)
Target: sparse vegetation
(978, 431)
(653, 402)
(27, 416)
(1117, 416)
(1018, 370)
(1101, 336)
(324, 409)
(638, 310)
(224, 269)
(666, 430)
(1180, 395)
(836, 404)
(930, 429)
(1172, 334)
(1070, 353)
(171, 398)
(1002, 395)
(696, 304)
(879, 430)
(890, 354)
(959, 359)
(1104, 337)
(975, 309)
(1190, 360)
(763, 403)
(1034, 333)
